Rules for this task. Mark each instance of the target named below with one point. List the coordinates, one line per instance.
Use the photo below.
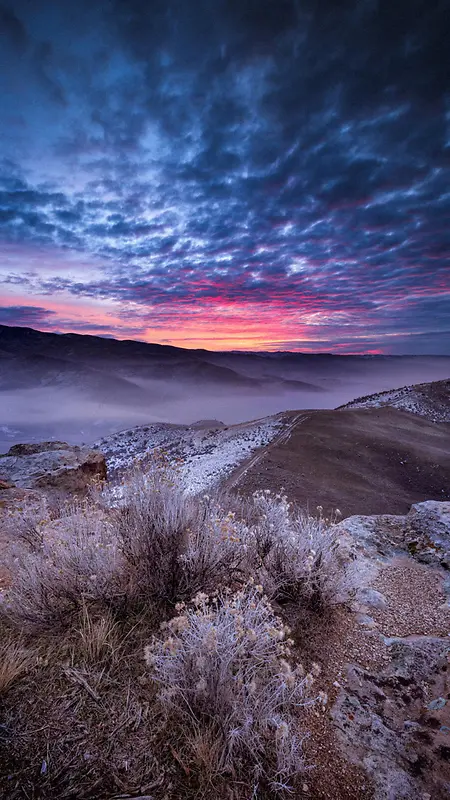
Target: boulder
(52, 465)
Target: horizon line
(110, 337)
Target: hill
(361, 460)
(429, 400)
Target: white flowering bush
(300, 557)
(78, 562)
(228, 691)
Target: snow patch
(419, 400)
(203, 457)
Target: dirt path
(252, 463)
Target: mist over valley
(80, 388)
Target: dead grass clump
(98, 636)
(228, 693)
(74, 726)
(15, 660)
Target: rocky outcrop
(396, 722)
(393, 718)
(52, 465)
(423, 533)
(31, 448)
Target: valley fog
(81, 411)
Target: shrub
(77, 563)
(155, 544)
(176, 544)
(26, 525)
(153, 522)
(301, 558)
(227, 690)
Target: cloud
(24, 316)
(281, 162)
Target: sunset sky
(229, 174)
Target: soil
(367, 462)
(361, 461)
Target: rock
(52, 465)
(432, 519)
(437, 704)
(383, 724)
(370, 597)
(30, 448)
(6, 485)
(423, 534)
(394, 721)
(367, 621)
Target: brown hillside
(362, 461)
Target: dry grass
(98, 636)
(74, 726)
(15, 660)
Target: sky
(230, 174)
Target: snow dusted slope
(204, 456)
(430, 400)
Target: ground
(362, 461)
(383, 733)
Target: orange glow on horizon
(244, 327)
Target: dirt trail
(253, 462)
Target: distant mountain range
(78, 387)
(31, 358)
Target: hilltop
(429, 400)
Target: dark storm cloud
(24, 315)
(292, 155)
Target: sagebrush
(228, 691)
(157, 545)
